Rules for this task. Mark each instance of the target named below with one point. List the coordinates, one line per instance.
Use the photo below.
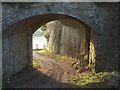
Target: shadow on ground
(33, 78)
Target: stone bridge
(21, 20)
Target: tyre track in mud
(54, 70)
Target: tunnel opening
(73, 47)
(68, 38)
(39, 40)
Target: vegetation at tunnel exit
(82, 79)
(60, 57)
(57, 56)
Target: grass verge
(58, 56)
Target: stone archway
(18, 26)
(20, 34)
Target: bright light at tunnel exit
(39, 40)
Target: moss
(87, 78)
(36, 64)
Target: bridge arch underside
(17, 44)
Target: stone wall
(16, 52)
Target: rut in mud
(59, 70)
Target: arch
(20, 33)
(21, 25)
(34, 22)
(16, 16)
(99, 19)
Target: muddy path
(59, 70)
(51, 73)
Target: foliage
(43, 27)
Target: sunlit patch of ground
(58, 56)
(44, 51)
(88, 79)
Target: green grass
(63, 58)
(44, 51)
(57, 56)
(87, 78)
